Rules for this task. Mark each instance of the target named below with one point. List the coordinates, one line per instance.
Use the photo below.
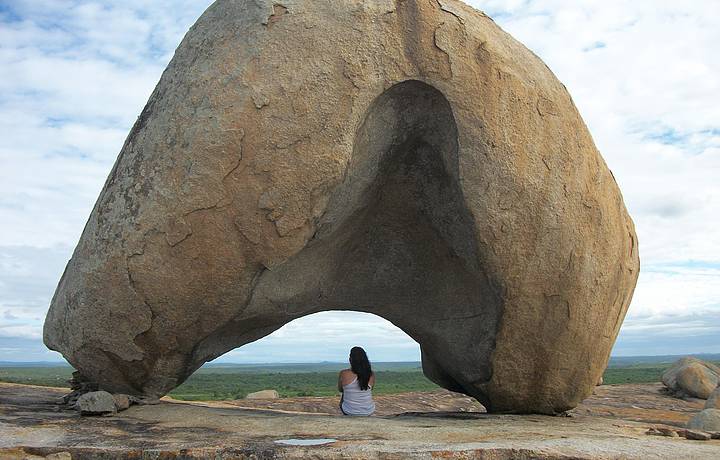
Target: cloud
(328, 336)
(675, 310)
(28, 276)
(670, 334)
(74, 75)
(651, 98)
(21, 349)
(689, 288)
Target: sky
(645, 75)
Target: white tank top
(356, 401)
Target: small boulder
(706, 420)
(713, 401)
(663, 431)
(144, 400)
(59, 456)
(696, 435)
(122, 402)
(264, 394)
(69, 399)
(692, 377)
(668, 432)
(96, 403)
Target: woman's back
(355, 400)
(356, 385)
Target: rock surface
(436, 174)
(96, 403)
(668, 432)
(706, 420)
(122, 402)
(263, 394)
(696, 435)
(713, 402)
(22, 454)
(692, 377)
(29, 424)
(639, 402)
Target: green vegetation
(55, 376)
(637, 372)
(208, 385)
(634, 374)
(218, 382)
(233, 381)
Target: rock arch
(396, 240)
(404, 158)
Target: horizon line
(2, 362)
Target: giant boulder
(403, 158)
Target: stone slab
(30, 423)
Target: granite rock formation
(692, 377)
(403, 158)
(706, 420)
(713, 402)
(613, 426)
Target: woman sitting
(356, 384)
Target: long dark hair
(360, 365)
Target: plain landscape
(227, 381)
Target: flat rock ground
(439, 424)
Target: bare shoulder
(344, 373)
(346, 376)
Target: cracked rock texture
(403, 158)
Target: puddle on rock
(305, 442)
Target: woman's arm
(340, 386)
